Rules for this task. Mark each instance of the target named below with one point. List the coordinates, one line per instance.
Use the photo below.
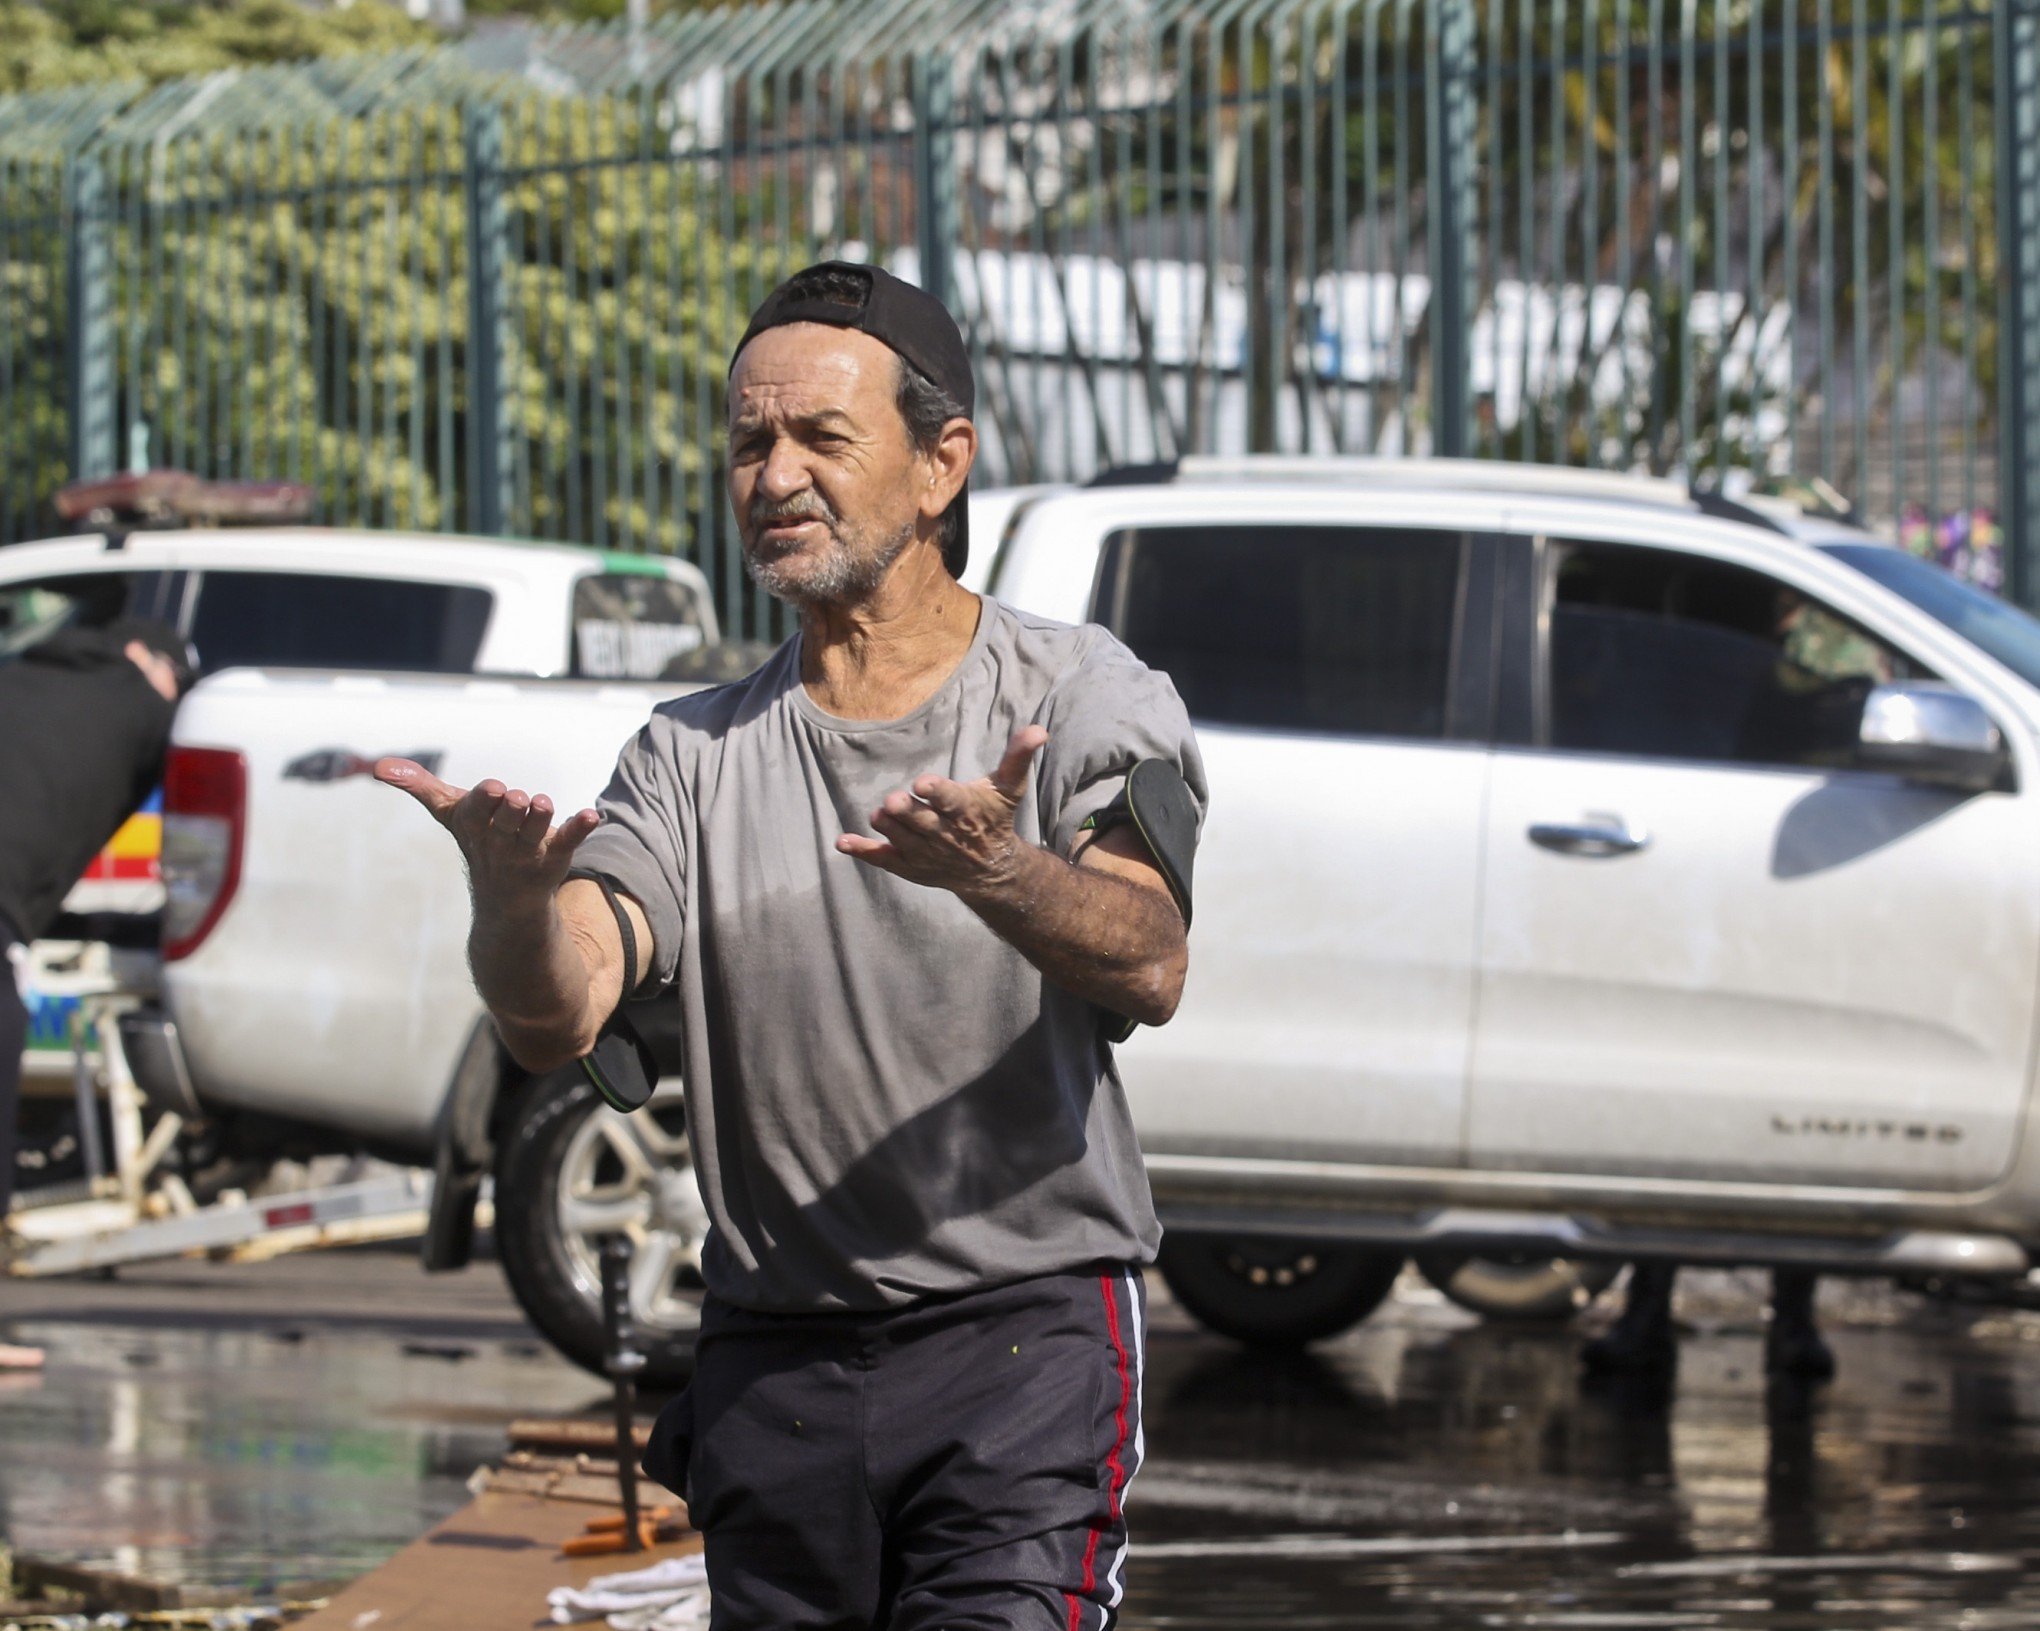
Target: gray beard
(845, 575)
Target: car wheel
(570, 1170)
(1275, 1293)
(1531, 1289)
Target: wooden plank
(568, 1434)
(486, 1568)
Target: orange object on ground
(487, 1567)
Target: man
(1642, 1339)
(916, 1399)
(84, 722)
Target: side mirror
(1929, 732)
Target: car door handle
(1596, 836)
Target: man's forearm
(1116, 943)
(534, 977)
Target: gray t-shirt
(885, 1100)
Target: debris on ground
(39, 1595)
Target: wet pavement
(301, 1420)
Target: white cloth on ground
(639, 1599)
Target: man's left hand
(953, 835)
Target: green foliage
(298, 306)
(75, 42)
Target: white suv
(1594, 869)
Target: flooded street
(258, 1426)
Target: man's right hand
(547, 959)
(515, 856)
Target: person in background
(1642, 1338)
(85, 718)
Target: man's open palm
(507, 836)
(949, 834)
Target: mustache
(808, 506)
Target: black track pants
(959, 1465)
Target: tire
(1275, 1293)
(569, 1170)
(1531, 1290)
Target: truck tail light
(205, 803)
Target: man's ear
(949, 465)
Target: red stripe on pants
(1116, 1472)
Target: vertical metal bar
(14, 198)
(1723, 149)
(1686, 250)
(591, 182)
(1625, 260)
(1452, 166)
(1894, 254)
(934, 99)
(1590, 228)
(573, 314)
(155, 276)
(1755, 279)
(417, 291)
(1859, 210)
(555, 337)
(1965, 121)
(318, 193)
(1526, 223)
(88, 331)
(623, 279)
(1658, 410)
(179, 252)
(253, 290)
(1278, 233)
(442, 236)
(1561, 374)
(487, 347)
(1931, 307)
(1405, 130)
(2015, 32)
(1491, 227)
(1829, 274)
(396, 315)
(1788, 210)
(1304, 351)
(361, 224)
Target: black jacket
(82, 739)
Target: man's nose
(785, 471)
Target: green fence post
(934, 174)
(490, 462)
(88, 333)
(1451, 118)
(2016, 27)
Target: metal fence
(492, 287)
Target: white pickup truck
(335, 600)
(1594, 871)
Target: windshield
(1993, 625)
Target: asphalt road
(301, 1419)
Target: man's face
(823, 478)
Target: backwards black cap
(912, 322)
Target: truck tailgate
(334, 988)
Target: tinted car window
(317, 620)
(1345, 629)
(2005, 632)
(1660, 654)
(28, 611)
(634, 625)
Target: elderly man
(898, 880)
